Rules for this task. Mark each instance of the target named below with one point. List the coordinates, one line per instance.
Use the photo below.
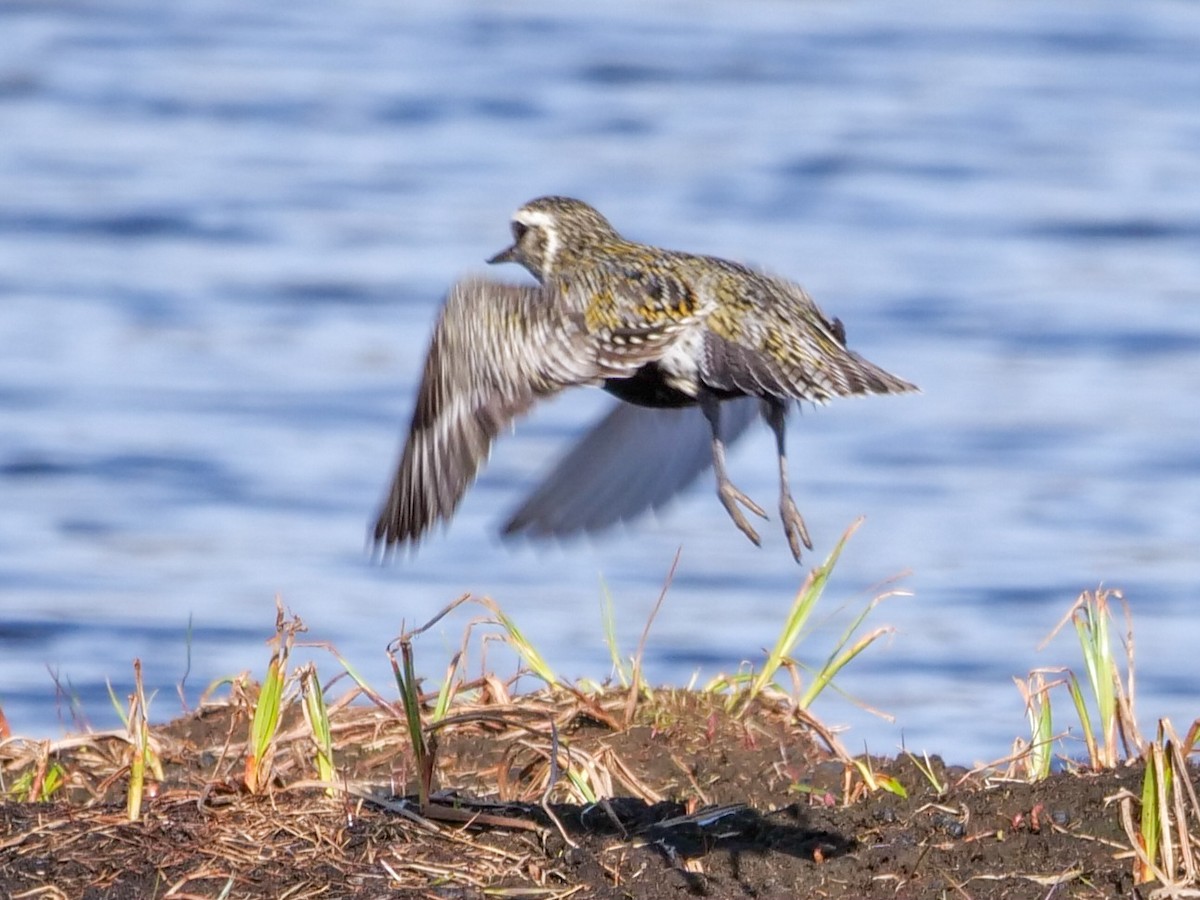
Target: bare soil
(702, 801)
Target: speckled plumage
(668, 331)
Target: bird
(693, 346)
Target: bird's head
(550, 234)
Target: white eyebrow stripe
(535, 218)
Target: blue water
(224, 234)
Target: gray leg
(774, 411)
(729, 495)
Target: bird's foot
(730, 498)
(793, 525)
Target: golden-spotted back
(712, 322)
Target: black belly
(648, 387)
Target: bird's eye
(518, 230)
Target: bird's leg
(775, 411)
(729, 494)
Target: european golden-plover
(665, 331)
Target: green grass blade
(529, 655)
(265, 725)
(1085, 719)
(837, 662)
(1152, 813)
(610, 634)
(802, 607)
(1091, 619)
(317, 714)
(446, 689)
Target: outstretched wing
(496, 348)
(637, 458)
(774, 341)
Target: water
(224, 234)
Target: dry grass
(470, 789)
(526, 770)
(462, 785)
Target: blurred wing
(495, 349)
(637, 458)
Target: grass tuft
(40, 781)
(747, 686)
(1035, 758)
(316, 714)
(1162, 838)
(424, 748)
(1111, 735)
(264, 725)
(142, 753)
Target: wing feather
(635, 459)
(495, 350)
(776, 342)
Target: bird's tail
(861, 376)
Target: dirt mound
(700, 800)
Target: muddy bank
(702, 800)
